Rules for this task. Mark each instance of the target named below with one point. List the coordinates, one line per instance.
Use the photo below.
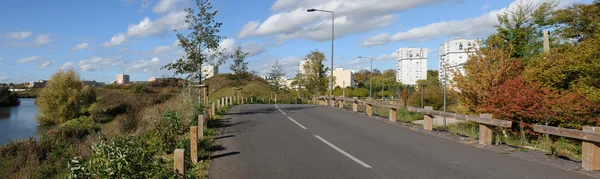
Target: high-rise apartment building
(343, 78)
(411, 65)
(301, 67)
(208, 71)
(454, 55)
(122, 79)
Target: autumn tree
(529, 103)
(572, 66)
(488, 68)
(64, 98)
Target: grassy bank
(124, 134)
(555, 146)
(29, 93)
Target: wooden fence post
(428, 120)
(369, 109)
(212, 110)
(392, 114)
(341, 103)
(485, 131)
(200, 127)
(194, 144)
(179, 163)
(355, 106)
(590, 151)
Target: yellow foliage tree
(64, 98)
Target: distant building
(94, 83)
(122, 79)
(454, 55)
(301, 67)
(343, 78)
(208, 71)
(411, 65)
(38, 84)
(151, 79)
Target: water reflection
(19, 122)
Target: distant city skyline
(137, 36)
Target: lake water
(18, 122)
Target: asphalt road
(307, 141)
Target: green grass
(30, 93)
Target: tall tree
(239, 66)
(314, 79)
(202, 37)
(487, 69)
(275, 76)
(578, 22)
(522, 27)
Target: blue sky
(101, 39)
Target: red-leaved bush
(528, 103)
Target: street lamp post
(371, 77)
(446, 86)
(332, 39)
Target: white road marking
(281, 111)
(297, 123)
(343, 152)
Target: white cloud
(168, 22)
(469, 28)
(97, 63)
(145, 4)
(45, 63)
(165, 5)
(17, 35)
(116, 40)
(80, 46)
(166, 48)
(28, 59)
(322, 30)
(283, 4)
(124, 49)
(143, 65)
(289, 65)
(254, 48)
(484, 7)
(382, 38)
(161, 49)
(42, 39)
(248, 29)
(352, 16)
(68, 66)
(230, 45)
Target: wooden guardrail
(485, 121)
(590, 139)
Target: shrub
(8, 98)
(76, 128)
(139, 88)
(169, 128)
(19, 159)
(406, 116)
(126, 157)
(63, 98)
